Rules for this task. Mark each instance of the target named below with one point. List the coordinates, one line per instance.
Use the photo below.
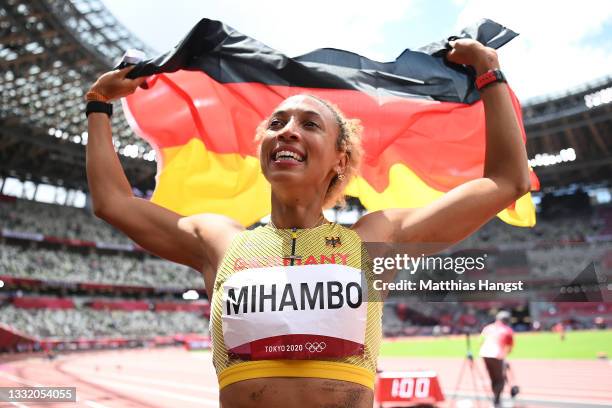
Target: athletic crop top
(295, 303)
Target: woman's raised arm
(197, 241)
(465, 208)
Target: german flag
(423, 120)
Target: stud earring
(340, 176)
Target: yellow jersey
(295, 303)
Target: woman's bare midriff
(296, 392)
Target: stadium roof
(580, 119)
(51, 51)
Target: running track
(177, 378)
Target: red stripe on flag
(443, 143)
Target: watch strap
(489, 77)
(98, 106)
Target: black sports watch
(97, 106)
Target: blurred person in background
(559, 327)
(497, 343)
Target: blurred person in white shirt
(497, 343)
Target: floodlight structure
(50, 53)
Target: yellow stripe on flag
(194, 180)
(407, 190)
(523, 213)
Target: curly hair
(348, 141)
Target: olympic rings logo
(315, 347)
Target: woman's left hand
(471, 52)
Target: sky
(562, 44)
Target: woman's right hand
(114, 85)
(198, 241)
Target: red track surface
(178, 378)
(556, 382)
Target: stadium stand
(573, 228)
(575, 240)
(70, 324)
(70, 266)
(50, 243)
(58, 221)
(563, 261)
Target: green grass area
(577, 345)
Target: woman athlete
(308, 152)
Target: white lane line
(153, 391)
(182, 367)
(18, 405)
(21, 380)
(150, 381)
(93, 404)
(527, 398)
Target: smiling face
(299, 145)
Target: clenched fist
(471, 52)
(114, 85)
